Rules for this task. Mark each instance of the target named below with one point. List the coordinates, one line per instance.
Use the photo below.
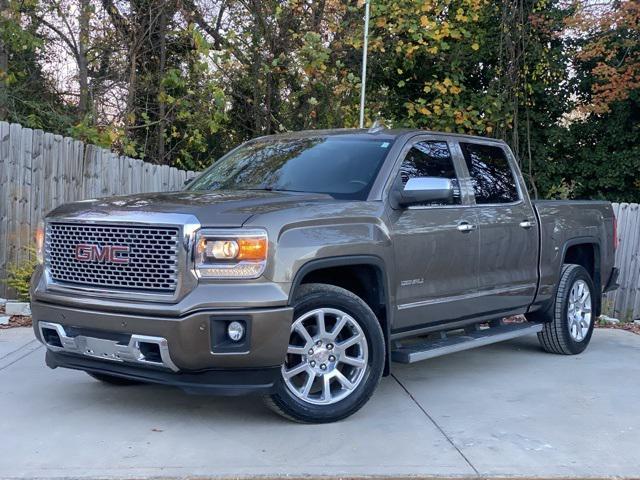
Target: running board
(457, 343)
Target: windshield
(339, 166)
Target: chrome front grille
(147, 260)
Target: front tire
(569, 330)
(335, 357)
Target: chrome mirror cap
(426, 189)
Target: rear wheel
(335, 356)
(113, 380)
(569, 330)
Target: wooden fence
(624, 303)
(39, 171)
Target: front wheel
(569, 330)
(335, 356)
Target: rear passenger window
(491, 174)
(430, 159)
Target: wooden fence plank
(23, 212)
(37, 178)
(15, 159)
(4, 199)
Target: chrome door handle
(526, 224)
(466, 227)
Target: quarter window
(491, 174)
(430, 159)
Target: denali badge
(106, 254)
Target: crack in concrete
(8, 360)
(440, 429)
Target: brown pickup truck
(300, 266)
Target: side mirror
(424, 190)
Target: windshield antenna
(377, 126)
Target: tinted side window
(430, 159)
(492, 177)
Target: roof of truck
(380, 133)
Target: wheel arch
(585, 251)
(353, 270)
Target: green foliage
(19, 275)
(183, 82)
(88, 132)
(28, 96)
(600, 154)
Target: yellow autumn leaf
(424, 21)
(475, 46)
(447, 82)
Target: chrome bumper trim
(108, 349)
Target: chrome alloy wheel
(326, 358)
(579, 310)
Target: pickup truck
(300, 266)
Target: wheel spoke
(322, 327)
(295, 350)
(339, 326)
(300, 328)
(297, 370)
(326, 388)
(308, 384)
(353, 361)
(344, 381)
(350, 342)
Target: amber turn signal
(252, 248)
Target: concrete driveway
(504, 410)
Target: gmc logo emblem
(105, 254)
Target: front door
(435, 245)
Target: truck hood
(212, 209)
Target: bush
(19, 275)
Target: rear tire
(335, 358)
(113, 380)
(569, 330)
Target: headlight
(231, 254)
(39, 240)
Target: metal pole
(364, 61)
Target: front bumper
(212, 381)
(195, 342)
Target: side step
(456, 343)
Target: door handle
(526, 224)
(465, 227)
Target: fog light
(235, 330)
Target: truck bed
(566, 222)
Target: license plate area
(141, 349)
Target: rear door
(435, 245)
(508, 262)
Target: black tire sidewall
(332, 297)
(574, 274)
